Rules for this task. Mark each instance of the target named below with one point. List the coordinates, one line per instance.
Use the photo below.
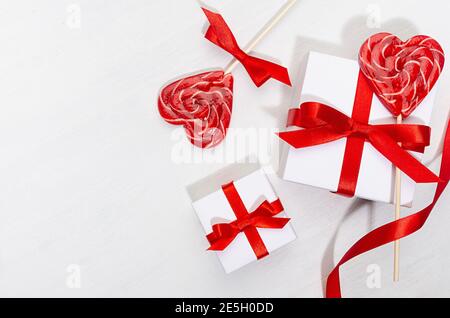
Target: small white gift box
(215, 208)
(333, 81)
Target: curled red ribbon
(263, 217)
(259, 70)
(395, 230)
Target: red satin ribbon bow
(259, 70)
(324, 124)
(263, 217)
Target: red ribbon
(259, 70)
(263, 217)
(395, 230)
(324, 124)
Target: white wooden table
(92, 202)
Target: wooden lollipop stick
(267, 28)
(398, 197)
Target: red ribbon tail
(221, 244)
(220, 33)
(211, 36)
(333, 285)
(310, 137)
(271, 222)
(261, 71)
(402, 159)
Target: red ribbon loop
(325, 124)
(263, 217)
(259, 70)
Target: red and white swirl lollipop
(203, 103)
(401, 74)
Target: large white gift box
(333, 81)
(214, 208)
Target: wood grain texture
(87, 167)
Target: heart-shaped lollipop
(400, 73)
(202, 104)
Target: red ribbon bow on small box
(246, 222)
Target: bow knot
(243, 223)
(360, 129)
